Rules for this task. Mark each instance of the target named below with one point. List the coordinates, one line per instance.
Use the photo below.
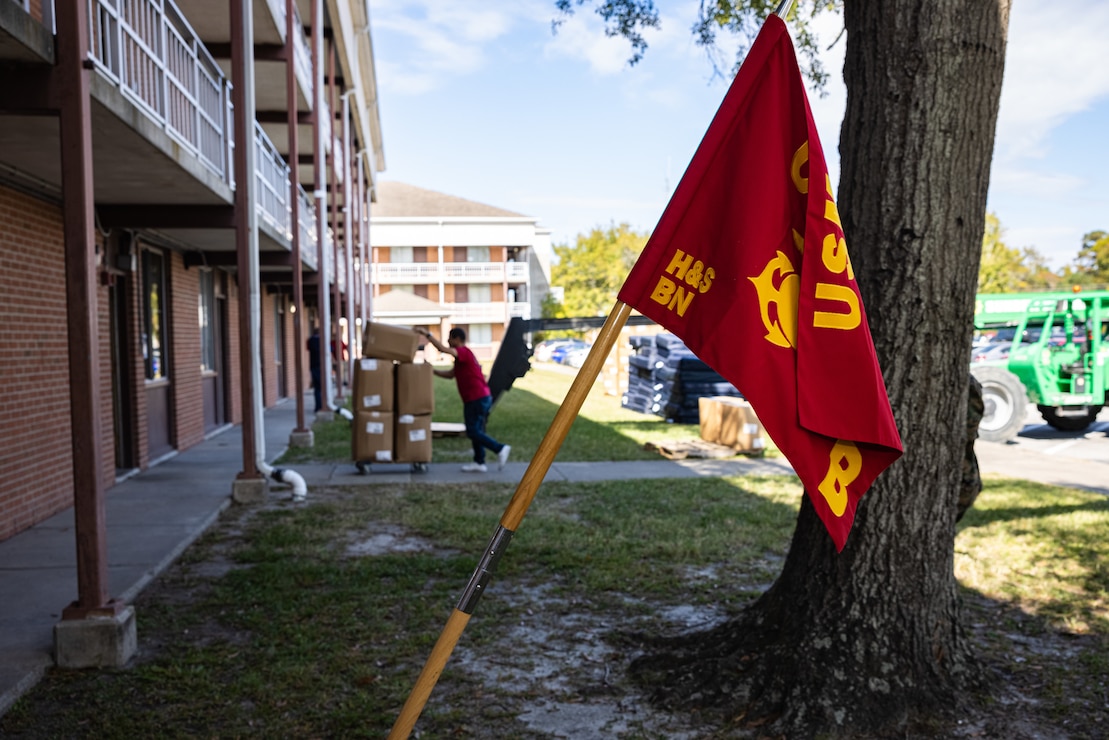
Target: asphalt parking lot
(1048, 455)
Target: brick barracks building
(165, 166)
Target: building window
(480, 293)
(155, 339)
(402, 255)
(479, 334)
(477, 254)
(206, 310)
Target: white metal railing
(302, 57)
(329, 252)
(473, 272)
(516, 272)
(519, 310)
(272, 177)
(150, 50)
(405, 273)
(309, 239)
(478, 313)
(420, 273)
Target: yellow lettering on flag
(831, 319)
(845, 462)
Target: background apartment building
(442, 261)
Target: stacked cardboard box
(374, 393)
(393, 398)
(730, 421)
(415, 404)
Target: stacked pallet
(641, 391)
(667, 379)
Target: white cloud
(582, 37)
(1055, 67)
(444, 41)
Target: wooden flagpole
(510, 520)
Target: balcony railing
(272, 177)
(150, 51)
(302, 57)
(309, 239)
(426, 273)
(516, 272)
(148, 48)
(487, 313)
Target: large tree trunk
(870, 639)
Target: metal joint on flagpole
(783, 8)
(484, 570)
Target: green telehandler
(1058, 359)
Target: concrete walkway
(154, 515)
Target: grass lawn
(314, 620)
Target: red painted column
(242, 54)
(82, 314)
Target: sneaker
(502, 456)
(474, 468)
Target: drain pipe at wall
(294, 479)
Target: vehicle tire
(1005, 402)
(1069, 423)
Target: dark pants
(475, 413)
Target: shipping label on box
(413, 442)
(373, 385)
(372, 436)
(387, 342)
(415, 388)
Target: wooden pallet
(447, 429)
(685, 448)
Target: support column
(319, 192)
(95, 630)
(333, 163)
(301, 436)
(249, 485)
(348, 238)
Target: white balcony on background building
(486, 313)
(429, 273)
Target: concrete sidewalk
(154, 515)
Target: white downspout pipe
(294, 479)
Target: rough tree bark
(870, 639)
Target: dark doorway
(122, 400)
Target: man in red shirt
(476, 398)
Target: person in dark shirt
(476, 398)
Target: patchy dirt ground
(558, 672)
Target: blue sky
(480, 100)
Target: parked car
(544, 349)
(576, 357)
(993, 352)
(560, 353)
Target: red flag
(748, 265)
